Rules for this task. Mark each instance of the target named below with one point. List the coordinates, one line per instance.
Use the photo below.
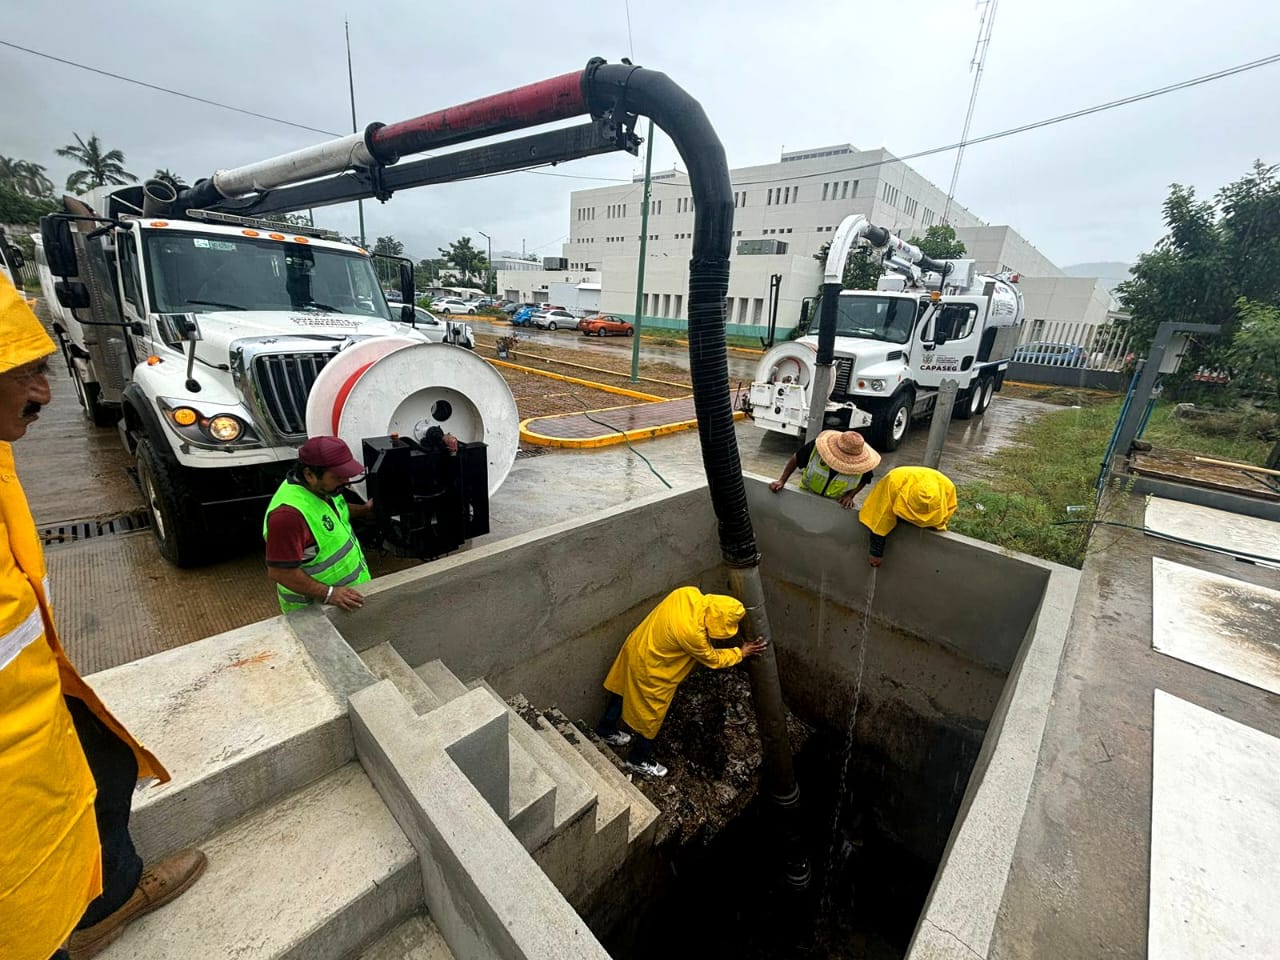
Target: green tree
(466, 259)
(25, 178)
(99, 167)
(862, 271)
(1214, 253)
(1254, 353)
(940, 243)
(295, 220)
(389, 246)
(18, 208)
(171, 178)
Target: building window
(679, 305)
(787, 195)
(768, 199)
(844, 190)
(757, 310)
(795, 194)
(743, 302)
(824, 190)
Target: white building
(794, 206)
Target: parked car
(454, 305)
(603, 324)
(524, 315)
(482, 302)
(444, 331)
(554, 320)
(1051, 354)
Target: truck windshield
(199, 273)
(876, 318)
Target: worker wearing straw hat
(838, 464)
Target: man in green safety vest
(312, 554)
(837, 464)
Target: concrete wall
(544, 614)
(1000, 248)
(1050, 300)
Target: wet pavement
(117, 600)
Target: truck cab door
(950, 339)
(133, 299)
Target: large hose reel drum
(780, 392)
(395, 385)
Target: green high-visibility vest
(339, 561)
(825, 482)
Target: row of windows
(839, 190)
(889, 194)
(739, 199)
(655, 207)
(929, 218)
(776, 230)
(616, 210)
(910, 206)
(737, 310)
(662, 305)
(780, 195)
(586, 213)
(837, 152)
(823, 229)
(684, 205)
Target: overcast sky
(768, 74)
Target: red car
(602, 324)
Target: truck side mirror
(59, 246)
(406, 284)
(407, 314)
(16, 258)
(72, 294)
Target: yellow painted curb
(612, 373)
(634, 394)
(610, 439)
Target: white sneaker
(619, 738)
(649, 768)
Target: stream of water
(835, 844)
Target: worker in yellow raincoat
(919, 495)
(68, 768)
(659, 654)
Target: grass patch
(1054, 462)
(1052, 465)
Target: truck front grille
(844, 373)
(283, 382)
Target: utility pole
(488, 279)
(351, 86)
(644, 243)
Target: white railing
(1061, 343)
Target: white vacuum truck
(217, 340)
(890, 348)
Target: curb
(607, 440)
(620, 391)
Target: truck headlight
(225, 428)
(877, 385)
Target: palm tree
(171, 178)
(25, 177)
(100, 168)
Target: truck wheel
(988, 391)
(176, 521)
(968, 402)
(89, 395)
(892, 425)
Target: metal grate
(73, 531)
(844, 373)
(284, 381)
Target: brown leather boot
(159, 884)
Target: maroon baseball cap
(332, 454)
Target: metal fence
(1084, 346)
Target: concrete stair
(415, 939)
(319, 874)
(568, 805)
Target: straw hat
(846, 451)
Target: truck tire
(968, 402)
(176, 520)
(891, 426)
(90, 397)
(988, 391)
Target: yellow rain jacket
(663, 649)
(50, 857)
(918, 495)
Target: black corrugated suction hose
(682, 118)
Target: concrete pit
(956, 661)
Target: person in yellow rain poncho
(657, 656)
(919, 495)
(68, 768)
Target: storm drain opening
(874, 853)
(74, 531)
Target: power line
(1011, 131)
(176, 93)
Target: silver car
(554, 319)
